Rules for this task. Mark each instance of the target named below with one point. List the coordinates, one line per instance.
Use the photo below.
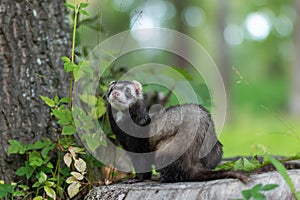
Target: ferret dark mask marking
(192, 164)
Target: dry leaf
(68, 159)
(71, 179)
(73, 189)
(80, 165)
(77, 175)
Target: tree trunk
(223, 60)
(34, 34)
(295, 94)
(206, 190)
(180, 27)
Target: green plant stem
(27, 195)
(57, 167)
(73, 56)
(58, 164)
(37, 192)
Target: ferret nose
(115, 94)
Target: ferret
(180, 141)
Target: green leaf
(24, 187)
(50, 192)
(257, 188)
(258, 196)
(85, 121)
(42, 177)
(88, 99)
(18, 193)
(49, 183)
(16, 147)
(77, 74)
(63, 121)
(36, 184)
(83, 68)
(21, 171)
(269, 187)
(56, 100)
(69, 6)
(99, 108)
(59, 114)
(49, 165)
(35, 159)
(250, 165)
(183, 72)
(226, 166)
(46, 150)
(93, 141)
(38, 198)
(60, 190)
(246, 194)
(37, 145)
(83, 5)
(70, 67)
(64, 100)
(297, 195)
(63, 116)
(6, 189)
(45, 169)
(64, 58)
(98, 112)
(68, 130)
(27, 170)
(86, 67)
(84, 12)
(280, 168)
(48, 101)
(65, 171)
(254, 192)
(238, 165)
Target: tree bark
(295, 93)
(217, 189)
(34, 34)
(223, 56)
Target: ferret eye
(127, 90)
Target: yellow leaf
(74, 150)
(77, 175)
(71, 179)
(38, 198)
(80, 165)
(50, 192)
(73, 189)
(68, 159)
(107, 182)
(71, 150)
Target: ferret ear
(111, 83)
(138, 87)
(109, 88)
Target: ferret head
(122, 94)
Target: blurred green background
(254, 43)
